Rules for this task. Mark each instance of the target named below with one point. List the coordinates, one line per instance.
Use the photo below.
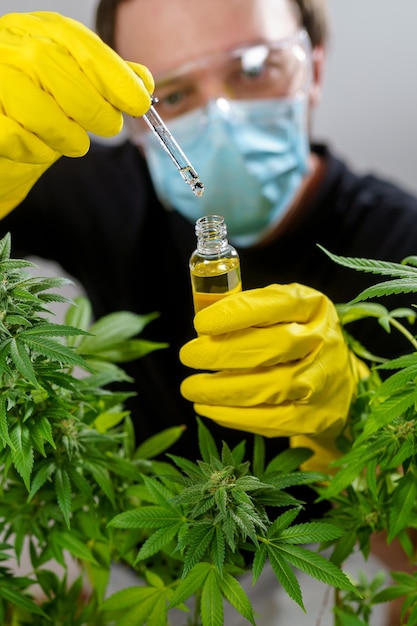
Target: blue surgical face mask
(251, 157)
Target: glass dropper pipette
(158, 127)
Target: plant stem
(197, 606)
(403, 330)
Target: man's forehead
(165, 34)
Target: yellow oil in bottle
(212, 280)
(214, 265)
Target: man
(237, 82)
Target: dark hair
(315, 19)
(105, 20)
(313, 15)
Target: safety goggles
(259, 70)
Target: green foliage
(74, 481)
(212, 517)
(66, 452)
(375, 487)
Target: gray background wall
(369, 108)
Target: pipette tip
(198, 188)
(169, 144)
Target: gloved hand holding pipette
(58, 81)
(280, 367)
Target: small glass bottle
(215, 264)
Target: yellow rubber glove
(282, 367)
(58, 80)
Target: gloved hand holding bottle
(58, 81)
(281, 367)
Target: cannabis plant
(74, 482)
(375, 487)
(66, 445)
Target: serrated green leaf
(354, 461)
(387, 288)
(371, 265)
(283, 481)
(311, 532)
(23, 602)
(188, 467)
(44, 429)
(285, 576)
(212, 613)
(40, 478)
(153, 579)
(407, 450)
(397, 381)
(236, 596)
(128, 597)
(22, 452)
(347, 619)
(22, 361)
(102, 478)
(5, 249)
(109, 419)
(221, 498)
(46, 329)
(11, 265)
(198, 539)
(191, 583)
(386, 412)
(52, 297)
(159, 443)
(37, 284)
(314, 565)
(283, 521)
(159, 491)
(160, 538)
(17, 320)
(158, 616)
(259, 561)
(55, 351)
(63, 493)
(410, 260)
(403, 502)
(140, 614)
(112, 329)
(146, 517)
(277, 498)
(218, 549)
(288, 460)
(4, 426)
(203, 505)
(247, 523)
(344, 548)
(67, 540)
(349, 313)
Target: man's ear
(318, 57)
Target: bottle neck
(211, 234)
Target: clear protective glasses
(259, 70)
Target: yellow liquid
(213, 280)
